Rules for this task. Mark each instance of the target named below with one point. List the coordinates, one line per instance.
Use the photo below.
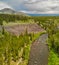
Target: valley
(29, 40)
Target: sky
(32, 6)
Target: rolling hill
(11, 11)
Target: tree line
(13, 18)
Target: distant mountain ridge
(11, 11)
(43, 14)
(7, 10)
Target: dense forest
(13, 17)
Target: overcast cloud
(32, 6)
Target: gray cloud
(15, 4)
(4, 5)
(43, 6)
(33, 6)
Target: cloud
(43, 6)
(33, 6)
(16, 4)
(3, 5)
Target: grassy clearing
(37, 35)
(17, 22)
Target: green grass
(37, 35)
(53, 58)
(17, 22)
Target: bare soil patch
(21, 28)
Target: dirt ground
(39, 52)
(21, 28)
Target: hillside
(11, 11)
